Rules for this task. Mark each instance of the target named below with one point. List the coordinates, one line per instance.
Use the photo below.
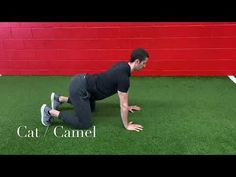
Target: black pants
(80, 98)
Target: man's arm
(124, 110)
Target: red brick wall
(67, 48)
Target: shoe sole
(42, 114)
(52, 100)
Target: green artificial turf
(180, 115)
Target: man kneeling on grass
(85, 89)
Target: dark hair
(139, 54)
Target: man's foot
(55, 100)
(46, 118)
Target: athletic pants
(80, 98)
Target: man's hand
(134, 127)
(134, 108)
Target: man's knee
(86, 126)
(82, 125)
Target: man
(85, 89)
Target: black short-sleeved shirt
(109, 82)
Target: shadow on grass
(160, 103)
(107, 110)
(110, 108)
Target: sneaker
(55, 100)
(46, 118)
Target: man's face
(140, 65)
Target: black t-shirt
(109, 82)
